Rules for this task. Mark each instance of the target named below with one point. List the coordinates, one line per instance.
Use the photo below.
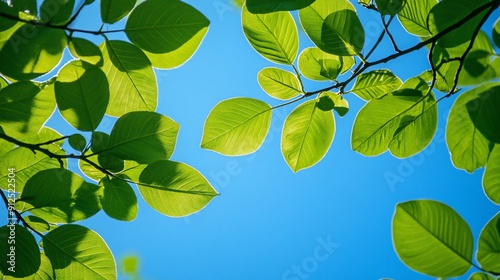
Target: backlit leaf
(488, 247)
(472, 125)
(431, 238)
(82, 94)
(237, 126)
(119, 200)
(279, 83)
(414, 14)
(144, 137)
(132, 81)
(59, 196)
(375, 84)
(76, 250)
(175, 189)
(85, 50)
(114, 10)
(491, 177)
(56, 12)
(317, 65)
(269, 6)
(307, 135)
(25, 258)
(274, 35)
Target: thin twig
(391, 38)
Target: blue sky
(332, 221)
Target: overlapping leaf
(375, 84)
(132, 81)
(59, 196)
(76, 250)
(144, 137)
(114, 10)
(175, 189)
(82, 94)
(307, 135)
(334, 27)
(237, 126)
(414, 14)
(431, 238)
(472, 126)
(274, 35)
(317, 65)
(119, 200)
(85, 50)
(24, 259)
(489, 246)
(56, 12)
(269, 6)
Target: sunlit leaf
(59, 196)
(26, 164)
(44, 135)
(269, 6)
(431, 238)
(25, 107)
(390, 7)
(496, 33)
(82, 94)
(144, 137)
(85, 50)
(375, 84)
(114, 10)
(237, 126)
(274, 35)
(119, 200)
(279, 83)
(478, 67)
(76, 250)
(26, 58)
(333, 26)
(317, 65)
(307, 135)
(481, 276)
(175, 189)
(330, 100)
(448, 12)
(413, 16)
(488, 248)
(56, 12)
(22, 256)
(472, 125)
(132, 81)
(37, 223)
(491, 177)
(404, 122)
(162, 26)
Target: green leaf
(46, 134)
(37, 223)
(390, 7)
(481, 276)
(44, 272)
(132, 170)
(279, 83)
(317, 65)
(334, 27)
(27, 58)
(404, 122)
(274, 35)
(162, 26)
(77, 142)
(472, 125)
(88, 2)
(119, 200)
(3, 83)
(330, 100)
(237, 126)
(114, 10)
(488, 247)
(307, 135)
(132, 81)
(110, 162)
(478, 67)
(25, 107)
(491, 177)
(175, 189)
(19, 253)
(496, 34)
(85, 50)
(89, 170)
(26, 164)
(375, 84)
(100, 141)
(59, 196)
(56, 12)
(431, 238)
(269, 6)
(82, 94)
(29, 6)
(76, 250)
(414, 14)
(448, 12)
(144, 137)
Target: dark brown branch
(391, 38)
